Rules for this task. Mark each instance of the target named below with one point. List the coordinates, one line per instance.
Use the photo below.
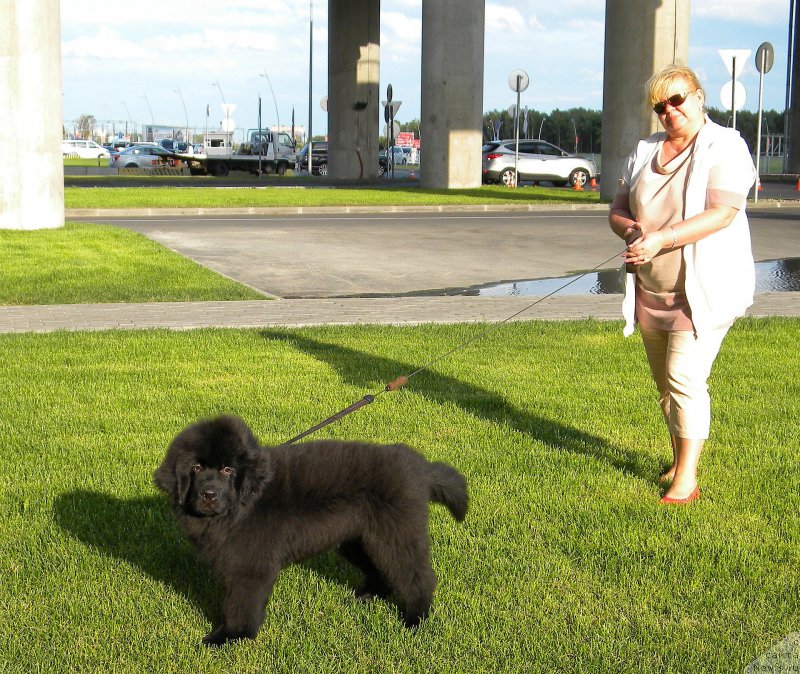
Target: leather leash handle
(366, 400)
(396, 384)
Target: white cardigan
(720, 272)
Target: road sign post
(765, 56)
(518, 80)
(737, 94)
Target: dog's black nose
(209, 496)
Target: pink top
(656, 200)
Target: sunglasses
(675, 100)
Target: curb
(325, 210)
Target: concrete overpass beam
(32, 168)
(353, 81)
(641, 39)
(452, 93)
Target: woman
(681, 208)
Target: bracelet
(674, 237)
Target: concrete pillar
(641, 38)
(353, 81)
(31, 164)
(452, 93)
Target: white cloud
(504, 19)
(396, 26)
(108, 44)
(751, 11)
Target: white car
(84, 149)
(537, 160)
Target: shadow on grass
(143, 533)
(363, 370)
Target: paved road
(338, 255)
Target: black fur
(252, 510)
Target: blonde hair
(659, 84)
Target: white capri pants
(681, 364)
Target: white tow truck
(264, 151)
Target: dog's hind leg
(402, 557)
(374, 584)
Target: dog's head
(214, 468)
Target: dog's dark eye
(227, 471)
(197, 468)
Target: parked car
(399, 155)
(141, 156)
(319, 158)
(85, 149)
(118, 144)
(177, 146)
(537, 161)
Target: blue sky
(115, 53)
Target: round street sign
(737, 93)
(765, 57)
(395, 129)
(518, 80)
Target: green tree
(84, 126)
(560, 127)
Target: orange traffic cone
(798, 183)
(593, 184)
(577, 186)
(759, 186)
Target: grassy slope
(84, 263)
(218, 197)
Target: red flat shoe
(668, 500)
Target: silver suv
(538, 160)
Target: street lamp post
(185, 114)
(310, 74)
(277, 116)
(224, 105)
(152, 119)
(221, 95)
(575, 130)
(130, 119)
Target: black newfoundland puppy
(251, 510)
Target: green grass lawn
(219, 196)
(566, 561)
(88, 263)
(77, 161)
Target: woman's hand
(632, 232)
(644, 248)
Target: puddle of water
(771, 276)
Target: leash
(403, 380)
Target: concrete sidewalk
(307, 312)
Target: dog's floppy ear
(252, 462)
(170, 477)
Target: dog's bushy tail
(449, 488)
